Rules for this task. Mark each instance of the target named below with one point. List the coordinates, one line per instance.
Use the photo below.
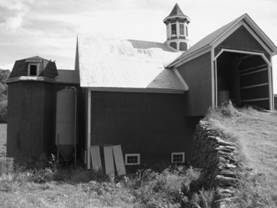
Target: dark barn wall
(151, 124)
(31, 119)
(197, 74)
(241, 39)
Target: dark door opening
(243, 79)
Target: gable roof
(210, 40)
(121, 64)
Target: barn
(145, 96)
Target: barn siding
(241, 39)
(197, 74)
(153, 125)
(31, 120)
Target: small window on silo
(173, 45)
(33, 70)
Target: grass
(70, 188)
(81, 188)
(255, 132)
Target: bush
(170, 188)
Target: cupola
(177, 29)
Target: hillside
(255, 132)
(4, 74)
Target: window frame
(183, 26)
(171, 25)
(132, 155)
(177, 153)
(29, 69)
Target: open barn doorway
(243, 78)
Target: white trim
(232, 29)
(245, 70)
(239, 22)
(261, 33)
(181, 79)
(257, 38)
(254, 100)
(253, 72)
(140, 90)
(177, 153)
(244, 52)
(184, 29)
(181, 60)
(89, 99)
(36, 79)
(254, 86)
(272, 87)
(132, 155)
(271, 96)
(269, 74)
(213, 77)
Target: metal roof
(208, 41)
(134, 64)
(176, 12)
(67, 76)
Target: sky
(49, 28)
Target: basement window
(177, 157)
(33, 69)
(132, 159)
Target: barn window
(182, 29)
(33, 69)
(173, 45)
(173, 29)
(177, 157)
(182, 46)
(132, 159)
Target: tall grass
(83, 188)
(255, 133)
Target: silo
(66, 123)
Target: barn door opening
(243, 78)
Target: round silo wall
(66, 123)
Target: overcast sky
(49, 27)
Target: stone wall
(218, 159)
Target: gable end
(242, 39)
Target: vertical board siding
(153, 125)
(197, 74)
(241, 39)
(31, 120)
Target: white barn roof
(121, 64)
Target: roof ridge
(210, 38)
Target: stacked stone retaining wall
(218, 158)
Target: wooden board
(95, 158)
(109, 162)
(119, 161)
